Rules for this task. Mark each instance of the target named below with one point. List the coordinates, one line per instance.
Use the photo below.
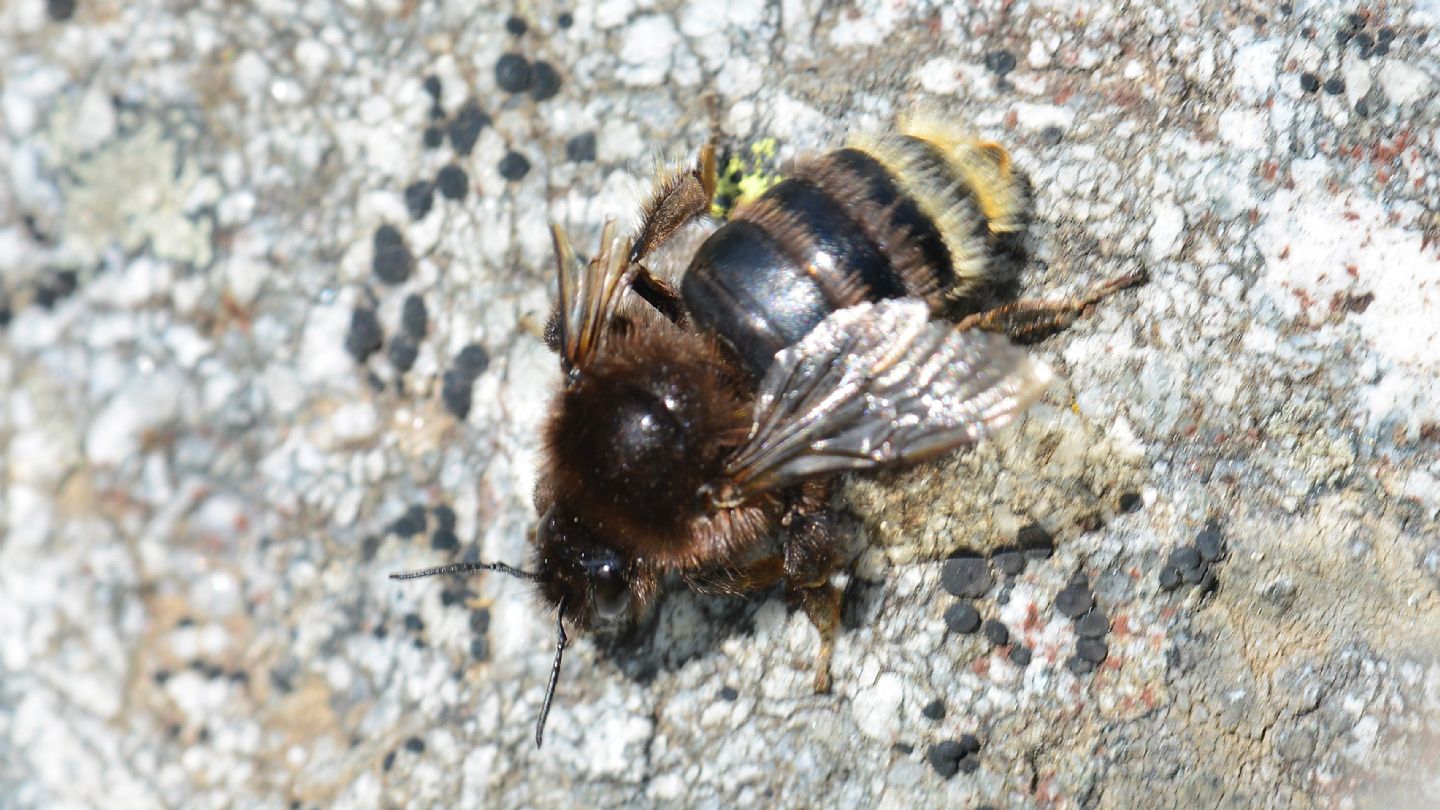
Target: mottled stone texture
(221, 426)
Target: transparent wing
(590, 292)
(879, 384)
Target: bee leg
(658, 293)
(1031, 321)
(822, 604)
(756, 575)
(811, 556)
(681, 196)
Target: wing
(590, 293)
(879, 384)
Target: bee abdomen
(743, 287)
(913, 214)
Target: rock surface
(222, 426)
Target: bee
(698, 431)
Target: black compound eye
(612, 595)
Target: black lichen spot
(1073, 601)
(728, 694)
(414, 318)
(479, 649)
(369, 546)
(1364, 42)
(419, 198)
(415, 745)
(516, 26)
(962, 618)
(444, 540)
(1079, 666)
(1343, 37)
(513, 73)
(945, 758)
(1093, 624)
(564, 20)
(472, 361)
(1334, 85)
(402, 353)
(1309, 82)
(581, 148)
(1362, 108)
(454, 183)
(1185, 557)
(966, 576)
(445, 517)
(1131, 502)
(434, 136)
(514, 166)
(466, 127)
(392, 260)
(934, 710)
(60, 10)
(1009, 560)
(55, 287)
(1385, 34)
(431, 84)
(388, 762)
(996, 632)
(455, 390)
(411, 523)
(480, 620)
(1210, 543)
(1092, 649)
(1020, 655)
(364, 337)
(1000, 62)
(1169, 578)
(414, 623)
(547, 82)
(1034, 542)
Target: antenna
(560, 639)
(467, 568)
(554, 673)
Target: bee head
(577, 569)
(588, 584)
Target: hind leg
(812, 554)
(1030, 321)
(681, 196)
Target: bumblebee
(698, 430)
